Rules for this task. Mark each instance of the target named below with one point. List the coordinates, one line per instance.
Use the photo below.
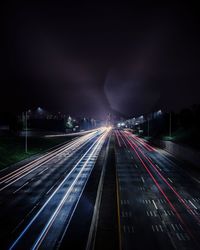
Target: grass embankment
(12, 148)
(189, 137)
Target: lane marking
(170, 180)
(192, 204)
(21, 187)
(173, 227)
(154, 204)
(42, 171)
(94, 145)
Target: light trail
(19, 173)
(122, 139)
(169, 185)
(95, 151)
(44, 157)
(158, 186)
(117, 138)
(144, 144)
(89, 155)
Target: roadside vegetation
(184, 127)
(12, 148)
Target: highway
(159, 203)
(38, 200)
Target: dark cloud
(92, 59)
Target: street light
(170, 124)
(26, 130)
(148, 125)
(159, 112)
(26, 133)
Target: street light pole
(26, 133)
(170, 124)
(148, 127)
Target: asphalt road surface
(159, 202)
(38, 200)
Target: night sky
(91, 59)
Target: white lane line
(98, 143)
(161, 228)
(176, 226)
(178, 236)
(192, 204)
(21, 187)
(158, 167)
(142, 179)
(128, 229)
(195, 211)
(51, 189)
(94, 145)
(170, 180)
(43, 171)
(181, 227)
(154, 204)
(173, 227)
(28, 168)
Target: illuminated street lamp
(159, 112)
(148, 125)
(26, 134)
(26, 130)
(170, 124)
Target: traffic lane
(79, 226)
(30, 197)
(162, 171)
(184, 200)
(56, 163)
(180, 237)
(178, 177)
(51, 171)
(27, 200)
(155, 225)
(48, 214)
(135, 224)
(165, 164)
(184, 183)
(35, 166)
(184, 213)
